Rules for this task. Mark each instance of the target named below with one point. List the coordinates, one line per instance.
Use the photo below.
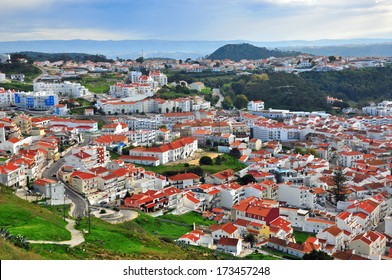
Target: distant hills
(78, 57)
(131, 49)
(236, 52)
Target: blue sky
(256, 20)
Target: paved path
(76, 236)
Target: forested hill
(52, 57)
(236, 52)
(308, 91)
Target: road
(79, 202)
(216, 91)
(44, 73)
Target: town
(263, 180)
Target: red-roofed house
(12, 175)
(197, 238)
(230, 245)
(83, 182)
(222, 177)
(176, 150)
(174, 195)
(184, 180)
(370, 244)
(332, 239)
(51, 189)
(227, 230)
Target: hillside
(52, 57)
(308, 91)
(236, 52)
(144, 238)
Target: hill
(144, 238)
(236, 52)
(78, 57)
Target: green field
(300, 237)
(30, 220)
(100, 83)
(188, 218)
(229, 162)
(256, 256)
(163, 229)
(17, 86)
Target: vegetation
(310, 151)
(301, 237)
(339, 189)
(17, 86)
(246, 179)
(29, 70)
(236, 52)
(100, 83)
(317, 255)
(52, 57)
(188, 218)
(258, 256)
(30, 220)
(226, 163)
(205, 160)
(240, 101)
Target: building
(370, 244)
(297, 196)
(64, 88)
(256, 106)
(84, 182)
(230, 245)
(184, 180)
(51, 189)
(60, 110)
(176, 150)
(42, 100)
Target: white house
(257, 105)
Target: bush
(205, 160)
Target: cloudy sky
(257, 20)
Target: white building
(132, 92)
(381, 109)
(43, 100)
(6, 97)
(255, 106)
(2, 77)
(298, 196)
(65, 88)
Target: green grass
(100, 83)
(113, 155)
(188, 218)
(229, 162)
(17, 86)
(280, 254)
(163, 229)
(300, 237)
(256, 256)
(3, 159)
(30, 220)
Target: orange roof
(183, 176)
(83, 175)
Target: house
(174, 196)
(184, 180)
(230, 245)
(12, 175)
(332, 239)
(84, 182)
(173, 151)
(191, 201)
(149, 201)
(255, 144)
(51, 189)
(256, 210)
(256, 105)
(222, 177)
(371, 244)
(227, 230)
(197, 238)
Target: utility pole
(89, 216)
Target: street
(79, 202)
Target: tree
(205, 160)
(240, 101)
(227, 103)
(246, 179)
(235, 153)
(317, 255)
(218, 160)
(339, 189)
(140, 60)
(250, 238)
(208, 142)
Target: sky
(253, 20)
